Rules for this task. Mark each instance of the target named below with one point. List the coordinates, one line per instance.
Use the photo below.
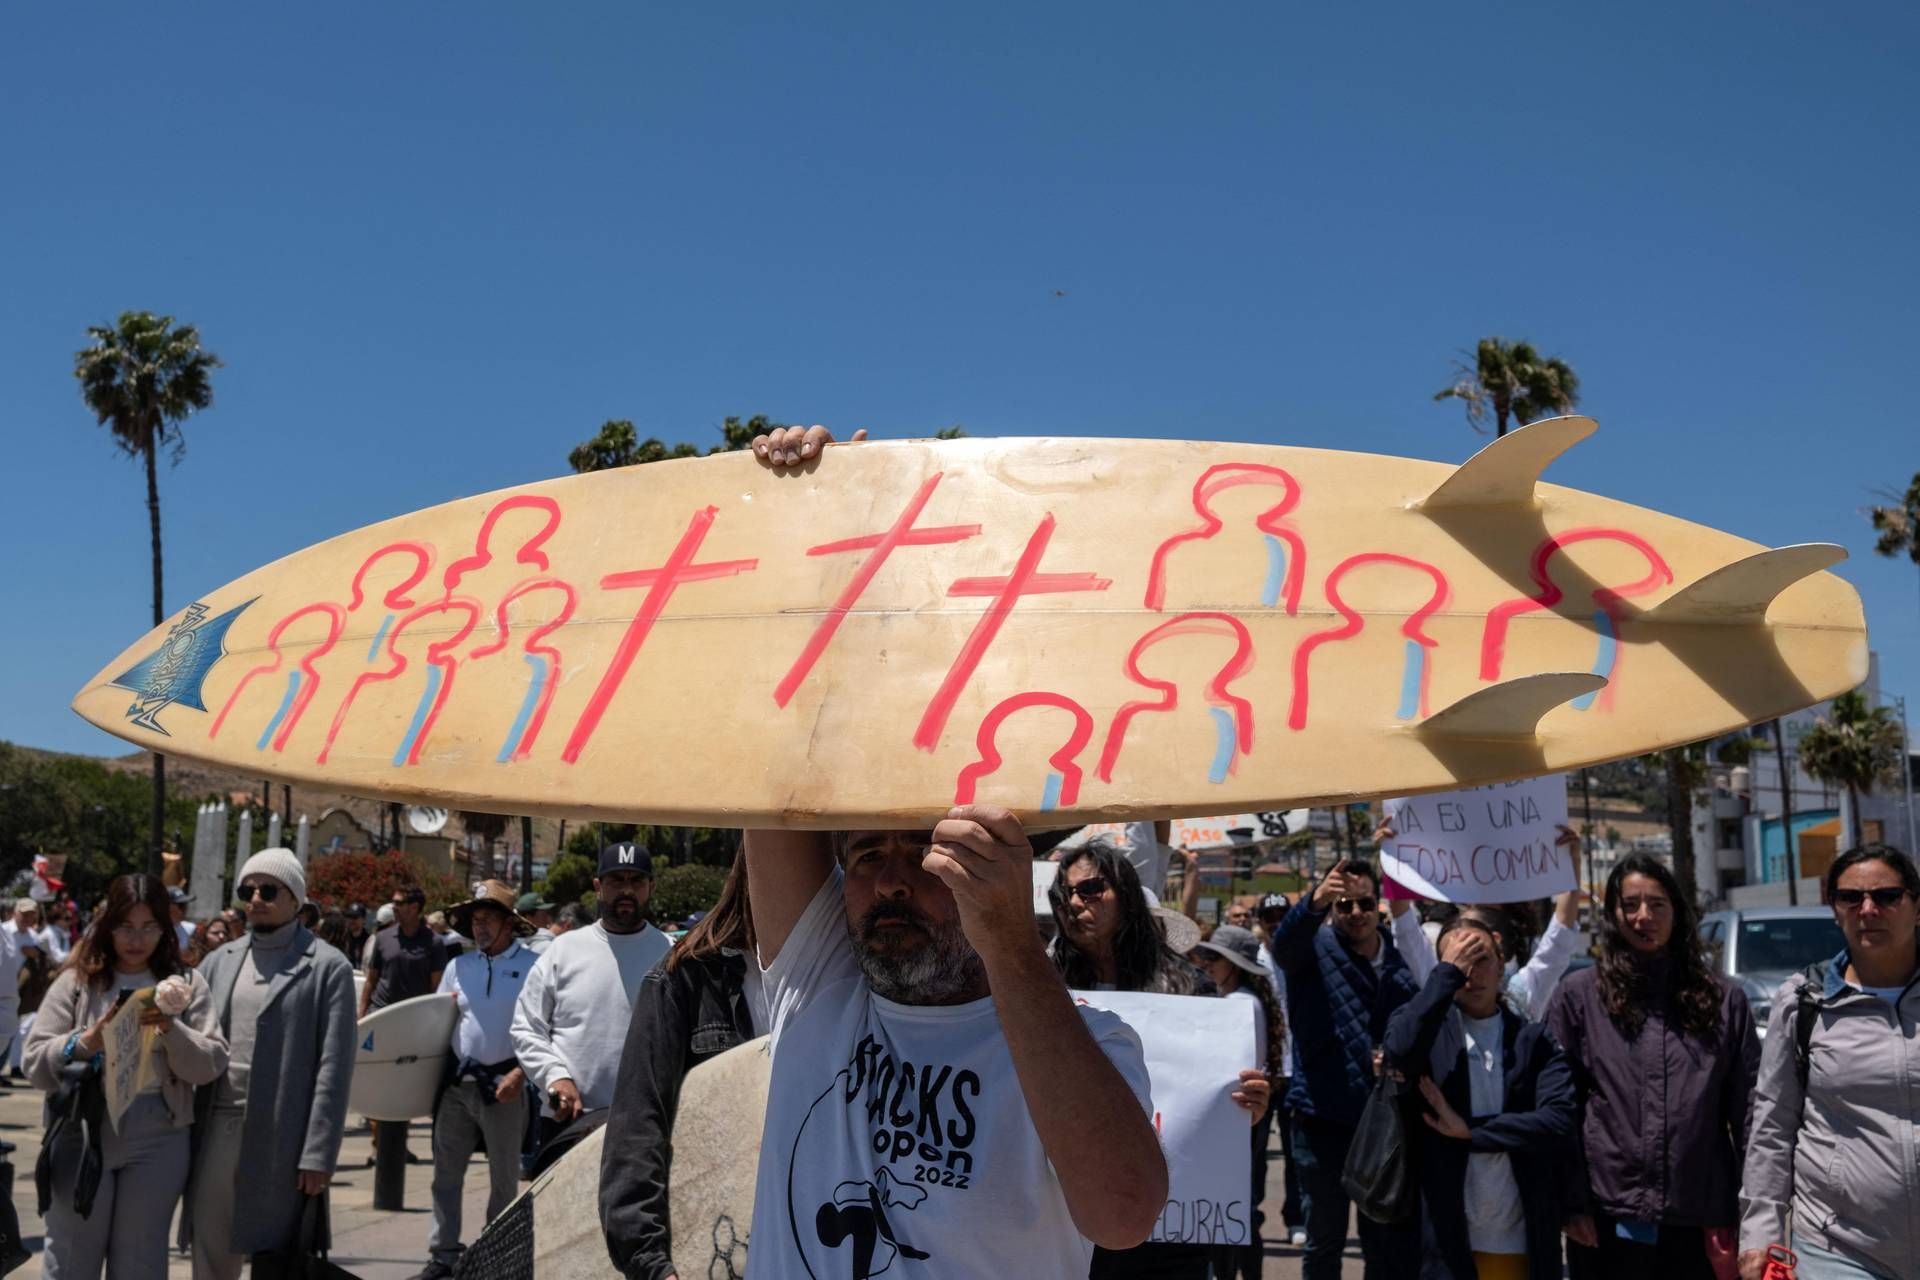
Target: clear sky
(437, 245)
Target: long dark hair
(1626, 986)
(729, 924)
(93, 956)
(1142, 959)
(1276, 1063)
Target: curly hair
(1627, 988)
(93, 956)
(1142, 959)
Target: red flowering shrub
(336, 879)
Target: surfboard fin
(1504, 473)
(1511, 709)
(1740, 592)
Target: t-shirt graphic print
(897, 1140)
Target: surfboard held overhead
(1080, 630)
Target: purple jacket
(1665, 1126)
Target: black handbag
(76, 1117)
(306, 1257)
(13, 1250)
(1378, 1177)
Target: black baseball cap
(1273, 902)
(626, 856)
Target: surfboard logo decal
(177, 670)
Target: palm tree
(1512, 380)
(1857, 747)
(143, 378)
(1898, 523)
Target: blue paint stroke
(293, 690)
(1050, 798)
(1276, 572)
(419, 715)
(1227, 742)
(1410, 680)
(373, 650)
(1603, 660)
(539, 664)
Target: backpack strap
(1806, 1018)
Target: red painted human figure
(541, 657)
(1286, 552)
(1063, 784)
(1608, 602)
(304, 676)
(450, 622)
(1232, 714)
(1416, 672)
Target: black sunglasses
(1087, 890)
(1345, 905)
(267, 892)
(1885, 897)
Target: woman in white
(1501, 1111)
(1232, 959)
(113, 1185)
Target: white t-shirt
(907, 1113)
(1496, 1222)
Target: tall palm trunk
(1786, 813)
(1854, 826)
(154, 861)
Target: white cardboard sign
(1196, 1047)
(1487, 844)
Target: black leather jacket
(680, 1019)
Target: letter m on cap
(626, 855)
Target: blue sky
(437, 246)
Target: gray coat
(1838, 1156)
(297, 1089)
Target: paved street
(392, 1246)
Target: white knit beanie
(283, 866)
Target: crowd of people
(940, 1100)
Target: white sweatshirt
(571, 1021)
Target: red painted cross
(660, 584)
(1025, 580)
(901, 534)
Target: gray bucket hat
(1238, 946)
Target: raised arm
(1090, 1122)
(786, 870)
(1415, 1025)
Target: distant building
(1738, 837)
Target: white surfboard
(553, 1229)
(399, 1057)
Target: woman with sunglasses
(142, 1158)
(1111, 940)
(1664, 1051)
(1832, 1141)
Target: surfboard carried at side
(399, 1058)
(553, 1229)
(1084, 630)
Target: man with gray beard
(936, 1094)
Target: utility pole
(1586, 824)
(526, 854)
(1906, 772)
(1786, 810)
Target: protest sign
(1044, 873)
(1231, 830)
(127, 1042)
(1195, 1049)
(1488, 844)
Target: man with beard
(570, 1022)
(923, 1043)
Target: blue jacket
(1337, 1011)
(1534, 1130)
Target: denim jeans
(1816, 1263)
(1391, 1252)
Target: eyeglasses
(1885, 898)
(1088, 890)
(267, 892)
(1346, 905)
(136, 932)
